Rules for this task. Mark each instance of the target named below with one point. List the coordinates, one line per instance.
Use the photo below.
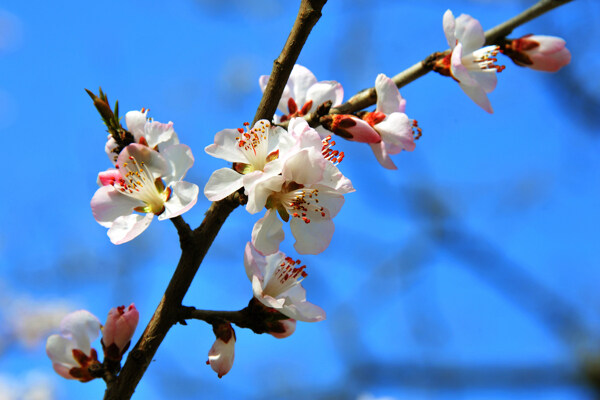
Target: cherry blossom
(310, 190)
(303, 94)
(70, 351)
(144, 184)
(253, 152)
(154, 134)
(118, 330)
(539, 52)
(276, 282)
(395, 129)
(470, 64)
(222, 352)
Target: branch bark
(195, 244)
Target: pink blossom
(118, 330)
(285, 328)
(539, 52)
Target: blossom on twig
(118, 330)
(303, 94)
(539, 52)
(470, 64)
(276, 283)
(70, 351)
(222, 352)
(145, 183)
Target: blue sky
(522, 183)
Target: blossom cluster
(284, 166)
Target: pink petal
(469, 32)
(449, 25)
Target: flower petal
(128, 227)
(396, 130)
(136, 120)
(320, 92)
(314, 237)
(108, 204)
(183, 197)
(155, 162)
(388, 97)
(180, 159)
(222, 183)
(469, 32)
(333, 178)
(254, 262)
(380, 152)
(261, 190)
(225, 146)
(301, 79)
(305, 167)
(267, 233)
(477, 94)
(449, 24)
(159, 134)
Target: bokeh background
(470, 273)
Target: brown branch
(195, 244)
(308, 15)
(368, 97)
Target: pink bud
(351, 128)
(283, 328)
(118, 330)
(222, 352)
(539, 52)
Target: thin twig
(308, 15)
(368, 97)
(195, 245)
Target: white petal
(108, 204)
(449, 24)
(304, 135)
(382, 156)
(254, 262)
(477, 94)
(331, 199)
(388, 96)
(268, 233)
(60, 350)
(304, 311)
(155, 162)
(301, 79)
(183, 197)
(83, 327)
(322, 91)
(260, 191)
(312, 238)
(128, 227)
(136, 120)
(333, 178)
(222, 183)
(458, 70)
(396, 130)
(159, 134)
(180, 159)
(469, 32)
(305, 167)
(226, 147)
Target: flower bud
(351, 128)
(118, 331)
(282, 329)
(222, 352)
(539, 52)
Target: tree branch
(195, 244)
(368, 97)
(308, 15)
